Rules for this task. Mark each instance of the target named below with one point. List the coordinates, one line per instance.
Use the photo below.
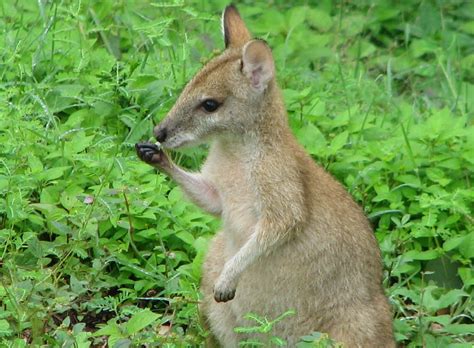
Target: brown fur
(292, 237)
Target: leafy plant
(262, 330)
(121, 335)
(317, 340)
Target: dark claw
(153, 155)
(224, 296)
(150, 146)
(145, 151)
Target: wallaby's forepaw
(224, 291)
(151, 154)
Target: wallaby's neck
(273, 119)
(269, 129)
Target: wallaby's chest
(231, 177)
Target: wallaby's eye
(210, 105)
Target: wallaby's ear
(236, 33)
(257, 64)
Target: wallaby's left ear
(257, 64)
(236, 33)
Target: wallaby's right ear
(236, 33)
(257, 64)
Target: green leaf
(5, 328)
(186, 237)
(467, 276)
(279, 342)
(402, 329)
(296, 15)
(459, 329)
(384, 12)
(34, 246)
(312, 139)
(453, 243)
(111, 329)
(140, 320)
(338, 142)
(51, 173)
(69, 90)
(421, 255)
(78, 143)
(468, 27)
(122, 343)
(467, 246)
(319, 19)
(421, 47)
(35, 164)
(451, 298)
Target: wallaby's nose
(160, 133)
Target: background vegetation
(95, 247)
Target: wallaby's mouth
(178, 141)
(161, 133)
(172, 139)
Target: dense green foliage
(96, 246)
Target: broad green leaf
(454, 242)
(467, 276)
(467, 247)
(297, 16)
(339, 141)
(111, 329)
(459, 329)
(468, 27)
(78, 143)
(421, 47)
(4, 328)
(319, 19)
(140, 320)
(312, 139)
(421, 255)
(35, 164)
(186, 237)
(122, 343)
(451, 297)
(51, 173)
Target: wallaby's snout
(160, 131)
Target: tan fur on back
(305, 244)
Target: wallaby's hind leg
(211, 340)
(218, 316)
(368, 325)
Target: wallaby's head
(226, 95)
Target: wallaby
(292, 237)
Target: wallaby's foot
(224, 290)
(151, 154)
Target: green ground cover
(95, 247)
